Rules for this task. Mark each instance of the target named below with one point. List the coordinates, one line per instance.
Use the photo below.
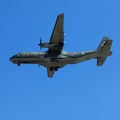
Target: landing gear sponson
(55, 59)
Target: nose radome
(10, 58)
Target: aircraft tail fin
(104, 49)
(105, 44)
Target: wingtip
(61, 14)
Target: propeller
(40, 44)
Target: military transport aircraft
(55, 57)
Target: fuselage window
(29, 54)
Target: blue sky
(76, 92)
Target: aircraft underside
(55, 57)
(55, 62)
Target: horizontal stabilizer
(100, 61)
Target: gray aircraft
(55, 57)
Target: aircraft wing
(50, 73)
(57, 36)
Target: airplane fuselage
(54, 59)
(45, 57)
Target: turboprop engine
(49, 45)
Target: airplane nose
(11, 59)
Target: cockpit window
(63, 51)
(18, 54)
(44, 51)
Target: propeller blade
(40, 44)
(40, 41)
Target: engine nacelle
(49, 45)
